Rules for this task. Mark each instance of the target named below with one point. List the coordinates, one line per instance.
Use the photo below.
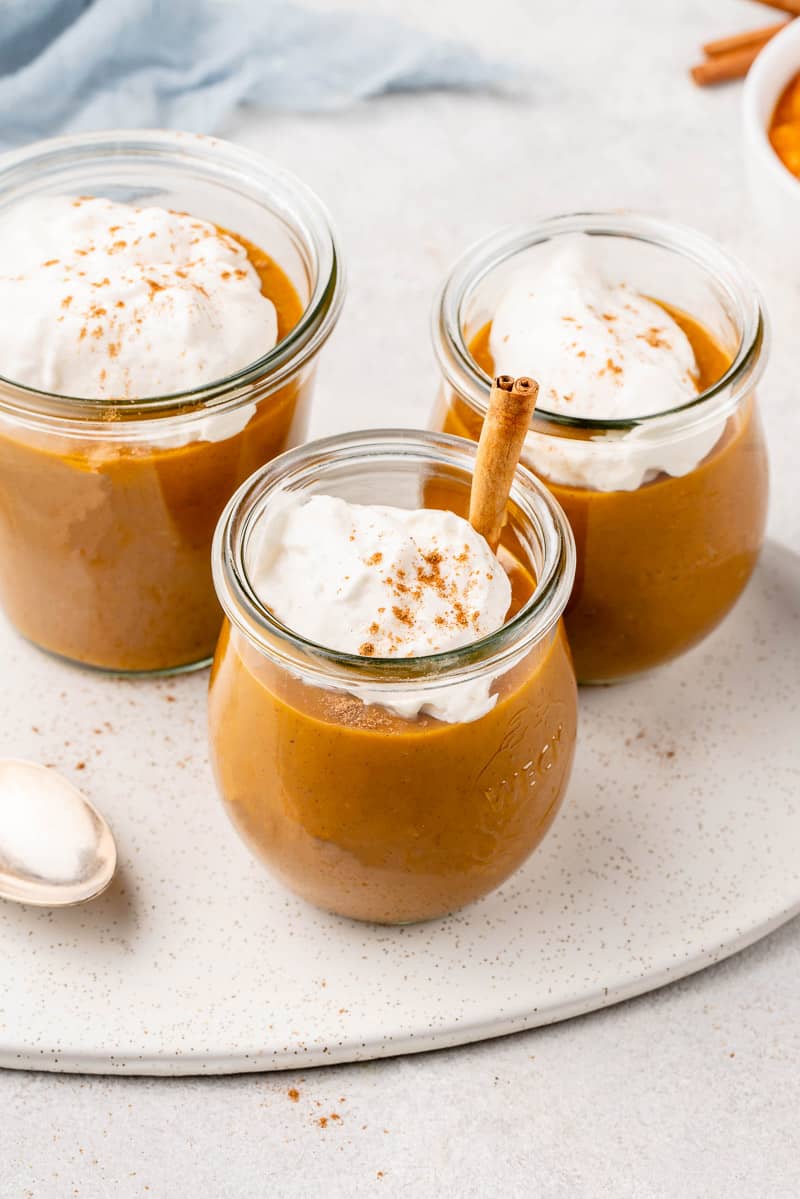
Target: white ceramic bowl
(775, 190)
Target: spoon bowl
(56, 849)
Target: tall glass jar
(668, 510)
(331, 765)
(108, 508)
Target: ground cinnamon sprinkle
(426, 576)
(612, 366)
(653, 338)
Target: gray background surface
(690, 1091)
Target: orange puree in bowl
(784, 128)
(105, 544)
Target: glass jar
(330, 764)
(668, 511)
(108, 508)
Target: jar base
(119, 672)
(618, 680)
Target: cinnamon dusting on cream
(172, 323)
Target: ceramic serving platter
(678, 844)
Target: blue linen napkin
(73, 65)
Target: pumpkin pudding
(392, 706)
(667, 501)
(119, 445)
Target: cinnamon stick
(739, 41)
(725, 67)
(508, 418)
(791, 6)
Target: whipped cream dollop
(599, 351)
(104, 300)
(382, 582)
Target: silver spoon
(55, 847)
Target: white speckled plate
(678, 845)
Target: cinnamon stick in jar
(507, 420)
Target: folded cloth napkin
(72, 65)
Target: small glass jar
(328, 763)
(108, 508)
(668, 511)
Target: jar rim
(472, 383)
(229, 162)
(290, 470)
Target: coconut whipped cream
(46, 831)
(382, 582)
(108, 301)
(600, 351)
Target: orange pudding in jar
(412, 771)
(646, 432)
(152, 359)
